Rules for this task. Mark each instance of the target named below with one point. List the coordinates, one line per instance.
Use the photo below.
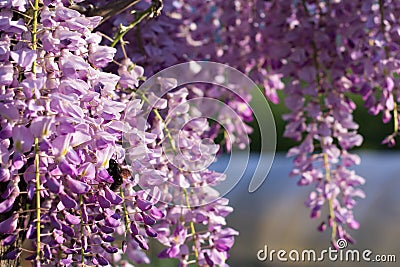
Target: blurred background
(275, 215)
(371, 127)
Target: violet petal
(67, 201)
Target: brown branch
(107, 11)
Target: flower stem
(82, 229)
(152, 11)
(192, 229)
(126, 213)
(396, 118)
(34, 31)
(171, 140)
(327, 169)
(382, 21)
(37, 173)
(108, 10)
(330, 201)
(38, 210)
(387, 55)
(166, 130)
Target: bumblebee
(118, 174)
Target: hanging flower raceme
(69, 195)
(378, 77)
(321, 117)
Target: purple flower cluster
(330, 53)
(89, 163)
(67, 190)
(376, 63)
(231, 32)
(321, 112)
(315, 51)
(193, 228)
(319, 53)
(168, 40)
